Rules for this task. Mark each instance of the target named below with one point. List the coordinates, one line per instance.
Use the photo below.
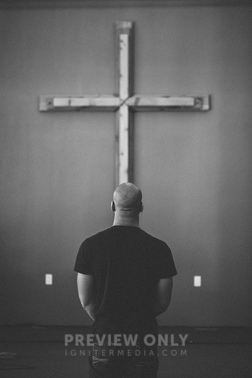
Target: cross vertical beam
(124, 31)
(124, 103)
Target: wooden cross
(124, 103)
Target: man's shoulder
(153, 239)
(99, 235)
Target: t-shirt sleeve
(83, 262)
(165, 266)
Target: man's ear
(141, 207)
(113, 206)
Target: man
(124, 282)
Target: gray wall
(57, 170)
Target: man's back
(126, 263)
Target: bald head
(128, 197)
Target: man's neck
(120, 220)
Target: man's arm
(86, 292)
(163, 295)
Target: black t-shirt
(126, 263)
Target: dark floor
(39, 352)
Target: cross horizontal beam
(135, 103)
